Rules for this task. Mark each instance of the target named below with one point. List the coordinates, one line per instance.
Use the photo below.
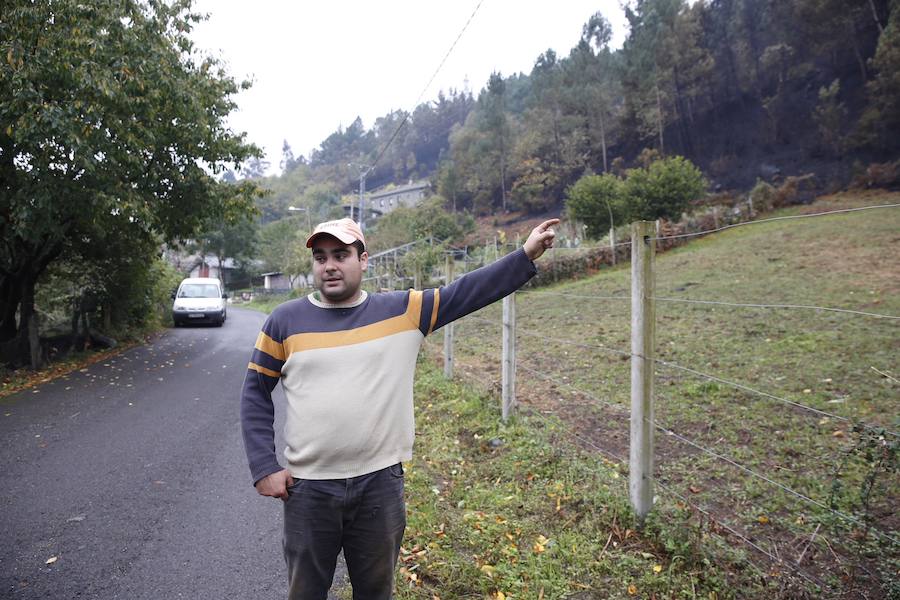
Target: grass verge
(837, 522)
(516, 511)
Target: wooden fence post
(508, 394)
(448, 328)
(640, 464)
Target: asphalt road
(131, 474)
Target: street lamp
(302, 209)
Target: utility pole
(363, 172)
(362, 192)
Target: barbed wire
(571, 433)
(563, 295)
(717, 379)
(482, 320)
(733, 531)
(799, 405)
(723, 458)
(574, 343)
(797, 306)
(777, 559)
(713, 302)
(624, 463)
(617, 407)
(770, 481)
(742, 224)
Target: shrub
(762, 196)
(662, 190)
(592, 199)
(795, 190)
(878, 175)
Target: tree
(448, 183)
(428, 220)
(255, 168)
(594, 67)
(881, 120)
(666, 70)
(236, 239)
(110, 122)
(288, 162)
(496, 126)
(282, 247)
(829, 116)
(662, 190)
(598, 202)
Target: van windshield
(199, 290)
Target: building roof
(410, 187)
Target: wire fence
(808, 499)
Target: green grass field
(478, 511)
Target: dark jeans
(365, 516)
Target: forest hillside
(744, 89)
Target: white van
(199, 300)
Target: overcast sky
(318, 64)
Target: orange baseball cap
(345, 230)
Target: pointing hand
(540, 239)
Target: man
(346, 361)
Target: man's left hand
(540, 239)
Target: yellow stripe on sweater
(259, 369)
(434, 310)
(266, 344)
(334, 339)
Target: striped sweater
(347, 373)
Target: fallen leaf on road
(51, 560)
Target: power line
(819, 214)
(427, 85)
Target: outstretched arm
(540, 238)
(488, 284)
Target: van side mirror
(224, 295)
(173, 295)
